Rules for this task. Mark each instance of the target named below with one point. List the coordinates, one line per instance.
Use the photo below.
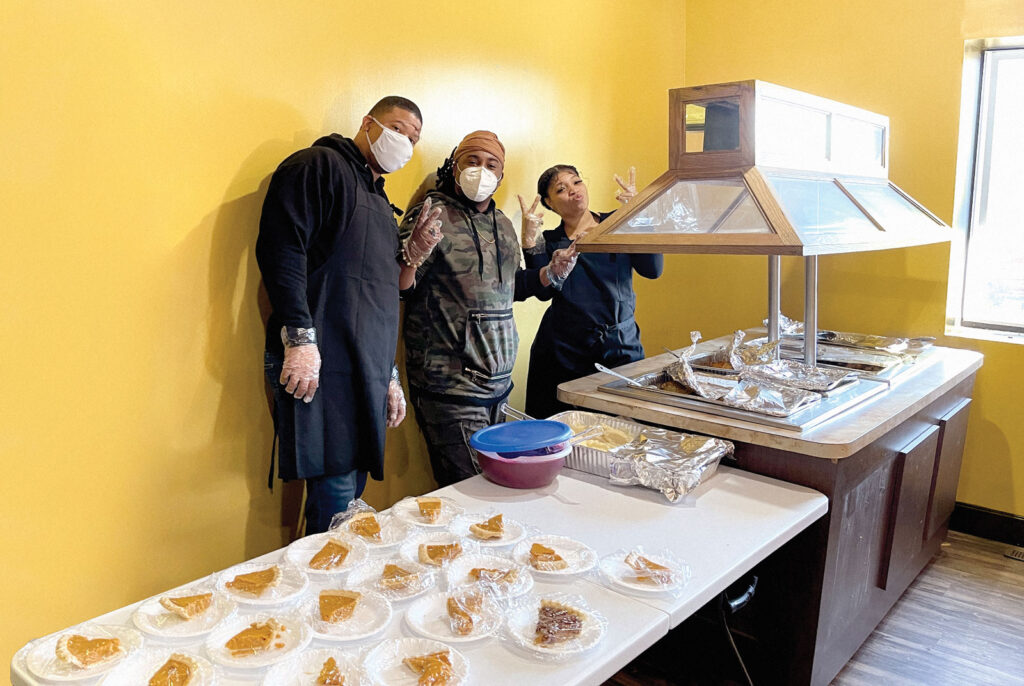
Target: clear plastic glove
(532, 222)
(561, 265)
(396, 404)
(627, 188)
(300, 374)
(426, 234)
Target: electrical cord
(735, 605)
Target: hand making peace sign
(532, 221)
(628, 191)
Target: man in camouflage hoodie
(460, 337)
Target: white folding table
(722, 529)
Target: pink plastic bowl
(535, 471)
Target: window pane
(820, 212)
(720, 205)
(994, 276)
(890, 209)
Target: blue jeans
(328, 495)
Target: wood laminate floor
(960, 622)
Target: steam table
(722, 529)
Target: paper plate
(295, 637)
(615, 569)
(293, 584)
(300, 552)
(408, 511)
(428, 617)
(140, 669)
(42, 658)
(580, 557)
(154, 620)
(457, 574)
(514, 531)
(392, 532)
(372, 615)
(383, 665)
(304, 669)
(410, 550)
(522, 627)
(366, 579)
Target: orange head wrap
(481, 141)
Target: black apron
(353, 299)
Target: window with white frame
(986, 294)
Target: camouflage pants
(447, 428)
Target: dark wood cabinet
(889, 509)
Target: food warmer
(759, 169)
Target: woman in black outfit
(591, 319)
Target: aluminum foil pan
(776, 400)
(670, 462)
(797, 374)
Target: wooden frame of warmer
(784, 242)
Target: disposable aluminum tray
(592, 460)
(836, 403)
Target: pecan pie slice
(557, 623)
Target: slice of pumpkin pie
(337, 605)
(492, 528)
(331, 556)
(394, 578)
(179, 670)
(330, 675)
(434, 669)
(256, 583)
(437, 554)
(81, 651)
(256, 638)
(546, 559)
(648, 571)
(430, 508)
(365, 524)
(187, 606)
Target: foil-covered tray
(658, 387)
(667, 461)
(750, 397)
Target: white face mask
(478, 183)
(392, 150)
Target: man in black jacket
(328, 250)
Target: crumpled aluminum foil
(783, 372)
(762, 395)
(765, 397)
(671, 462)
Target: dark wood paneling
(953, 430)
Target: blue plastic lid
(526, 434)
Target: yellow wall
(902, 59)
(137, 142)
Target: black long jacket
(590, 320)
(327, 249)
